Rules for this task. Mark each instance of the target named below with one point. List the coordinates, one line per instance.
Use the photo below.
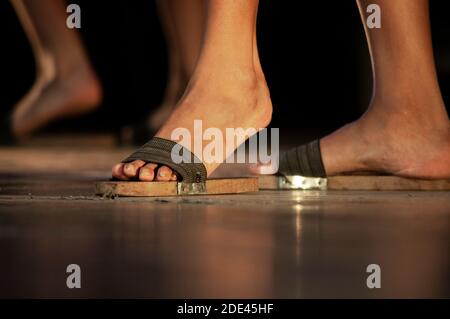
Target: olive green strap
(159, 151)
(304, 160)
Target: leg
(227, 83)
(405, 130)
(65, 82)
(183, 24)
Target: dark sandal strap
(159, 150)
(304, 160)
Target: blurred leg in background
(66, 84)
(183, 23)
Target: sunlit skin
(227, 82)
(405, 130)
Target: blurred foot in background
(66, 84)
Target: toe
(131, 170)
(173, 177)
(164, 174)
(117, 172)
(147, 172)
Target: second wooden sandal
(302, 168)
(351, 182)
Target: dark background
(314, 56)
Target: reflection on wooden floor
(269, 244)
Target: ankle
(46, 68)
(230, 81)
(416, 107)
(238, 91)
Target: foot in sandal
(406, 130)
(380, 142)
(245, 95)
(227, 89)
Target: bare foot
(239, 98)
(54, 96)
(385, 140)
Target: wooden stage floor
(288, 244)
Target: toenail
(162, 174)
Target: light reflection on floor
(270, 244)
